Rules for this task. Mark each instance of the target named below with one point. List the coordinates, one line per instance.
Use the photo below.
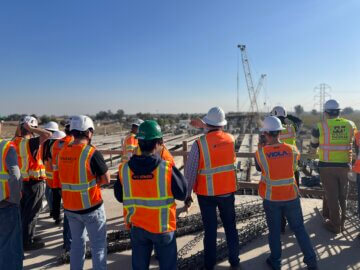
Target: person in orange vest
(82, 171)
(333, 138)
(11, 248)
(51, 127)
(278, 188)
(58, 145)
(28, 149)
(292, 125)
(130, 141)
(148, 186)
(210, 170)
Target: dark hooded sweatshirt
(144, 165)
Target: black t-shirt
(34, 144)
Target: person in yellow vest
(210, 171)
(130, 141)
(334, 137)
(276, 161)
(28, 148)
(148, 186)
(292, 125)
(356, 167)
(11, 248)
(82, 171)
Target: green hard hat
(149, 130)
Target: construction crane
(253, 93)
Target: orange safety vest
(4, 173)
(56, 148)
(30, 167)
(148, 200)
(79, 188)
(129, 145)
(216, 170)
(277, 163)
(164, 155)
(288, 135)
(356, 167)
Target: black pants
(283, 219)
(208, 205)
(31, 204)
(56, 201)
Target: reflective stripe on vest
(24, 158)
(273, 183)
(4, 176)
(163, 202)
(84, 186)
(289, 133)
(327, 146)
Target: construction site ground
(334, 251)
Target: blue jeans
(95, 224)
(208, 205)
(48, 196)
(293, 213)
(142, 243)
(67, 234)
(11, 246)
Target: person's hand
(198, 123)
(188, 201)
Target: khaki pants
(335, 182)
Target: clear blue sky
(82, 56)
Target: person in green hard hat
(148, 186)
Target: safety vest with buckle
(30, 167)
(356, 167)
(4, 174)
(277, 163)
(216, 170)
(148, 200)
(288, 135)
(79, 188)
(129, 145)
(56, 148)
(335, 140)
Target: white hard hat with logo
(81, 123)
(278, 111)
(271, 123)
(30, 120)
(331, 105)
(58, 135)
(137, 122)
(215, 117)
(51, 126)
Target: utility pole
(237, 85)
(322, 94)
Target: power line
(322, 94)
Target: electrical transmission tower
(322, 95)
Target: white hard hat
(331, 105)
(30, 120)
(271, 123)
(58, 134)
(81, 123)
(215, 117)
(51, 126)
(68, 121)
(137, 122)
(278, 111)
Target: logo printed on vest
(143, 177)
(339, 133)
(277, 154)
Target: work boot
(330, 227)
(32, 245)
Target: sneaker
(269, 263)
(33, 246)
